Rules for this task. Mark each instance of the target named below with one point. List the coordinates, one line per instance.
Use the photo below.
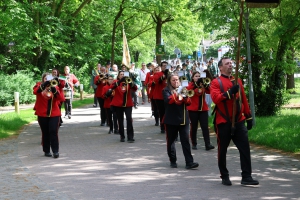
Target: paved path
(95, 165)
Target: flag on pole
(126, 55)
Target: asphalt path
(96, 165)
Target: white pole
(16, 95)
(81, 91)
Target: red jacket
(107, 100)
(223, 99)
(100, 85)
(122, 96)
(160, 84)
(198, 100)
(148, 82)
(46, 107)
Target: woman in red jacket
(47, 109)
(107, 95)
(198, 110)
(150, 90)
(122, 103)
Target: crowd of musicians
(180, 96)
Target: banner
(126, 55)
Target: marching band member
(224, 92)
(198, 110)
(149, 81)
(100, 81)
(47, 109)
(160, 78)
(176, 120)
(61, 83)
(71, 81)
(123, 103)
(107, 95)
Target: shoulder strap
(225, 106)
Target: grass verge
(11, 123)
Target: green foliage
(21, 82)
(280, 131)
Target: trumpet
(128, 80)
(187, 93)
(102, 76)
(206, 82)
(183, 78)
(53, 83)
(184, 92)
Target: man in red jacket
(223, 92)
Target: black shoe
(102, 124)
(110, 131)
(249, 181)
(209, 147)
(162, 131)
(130, 140)
(116, 132)
(56, 155)
(191, 165)
(156, 124)
(173, 165)
(48, 154)
(194, 147)
(69, 116)
(226, 181)
(122, 140)
(94, 105)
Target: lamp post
(251, 92)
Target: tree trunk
(290, 83)
(158, 37)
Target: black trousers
(68, 106)
(202, 118)
(102, 110)
(172, 134)
(154, 110)
(115, 119)
(120, 115)
(49, 127)
(240, 139)
(109, 118)
(161, 111)
(95, 98)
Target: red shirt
(107, 100)
(122, 96)
(198, 100)
(100, 84)
(150, 87)
(222, 100)
(160, 84)
(46, 107)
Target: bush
(21, 82)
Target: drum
(68, 93)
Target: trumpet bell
(128, 80)
(53, 83)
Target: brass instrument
(183, 78)
(128, 80)
(53, 83)
(206, 82)
(102, 76)
(96, 71)
(187, 93)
